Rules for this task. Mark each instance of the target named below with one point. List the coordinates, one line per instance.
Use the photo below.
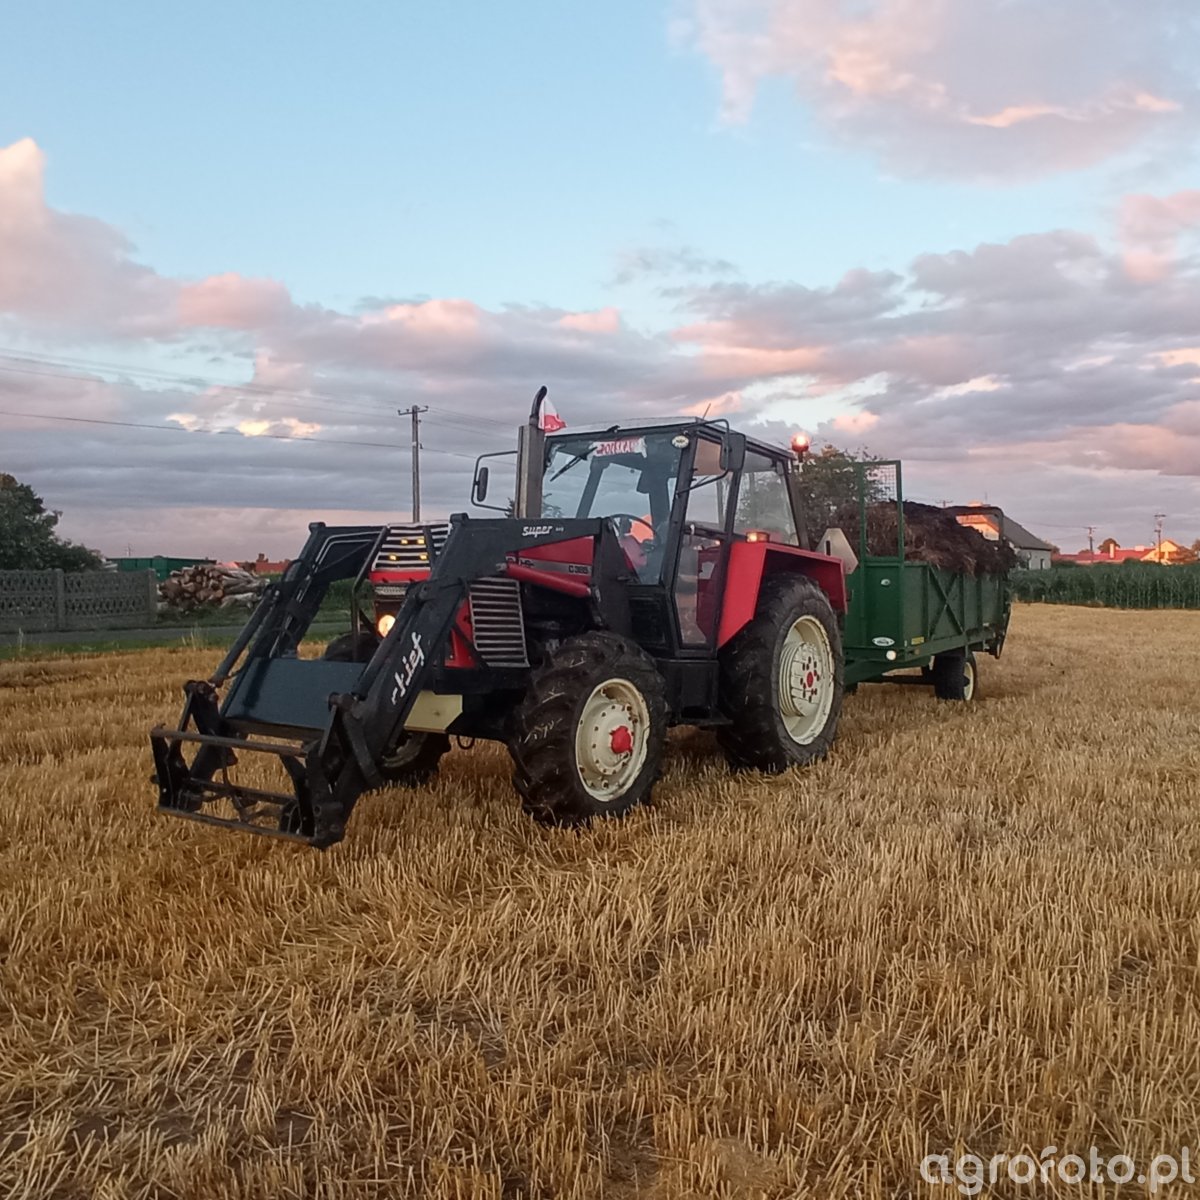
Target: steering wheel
(617, 516)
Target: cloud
(1024, 358)
(660, 261)
(715, 406)
(982, 89)
(1006, 367)
(65, 271)
(604, 320)
(230, 301)
(1151, 227)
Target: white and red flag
(548, 419)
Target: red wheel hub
(621, 740)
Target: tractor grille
(410, 547)
(390, 591)
(498, 623)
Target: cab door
(703, 507)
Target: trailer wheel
(415, 758)
(954, 676)
(587, 738)
(781, 680)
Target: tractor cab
(682, 496)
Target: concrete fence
(34, 601)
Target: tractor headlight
(384, 624)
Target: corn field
(1123, 585)
(973, 928)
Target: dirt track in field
(973, 928)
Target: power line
(260, 389)
(278, 437)
(285, 398)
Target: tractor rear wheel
(781, 680)
(587, 738)
(414, 759)
(954, 676)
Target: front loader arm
(341, 719)
(367, 722)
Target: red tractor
(651, 577)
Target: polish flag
(548, 419)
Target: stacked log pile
(931, 535)
(208, 585)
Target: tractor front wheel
(587, 738)
(415, 758)
(781, 680)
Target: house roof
(1020, 537)
(1086, 557)
(1016, 534)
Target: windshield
(629, 477)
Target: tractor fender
(751, 562)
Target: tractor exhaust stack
(531, 451)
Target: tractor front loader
(655, 577)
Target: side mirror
(733, 453)
(480, 487)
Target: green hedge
(1121, 585)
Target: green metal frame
(903, 614)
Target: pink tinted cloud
(231, 301)
(433, 318)
(976, 88)
(715, 406)
(1150, 228)
(602, 320)
(1036, 341)
(66, 270)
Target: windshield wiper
(574, 462)
(580, 456)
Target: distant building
(161, 564)
(993, 524)
(262, 565)
(1111, 551)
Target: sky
(235, 239)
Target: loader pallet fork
(330, 723)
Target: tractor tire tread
(754, 738)
(947, 677)
(542, 738)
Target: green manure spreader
(647, 577)
(926, 590)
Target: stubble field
(973, 928)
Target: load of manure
(931, 535)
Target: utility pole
(415, 412)
(1158, 524)
(1091, 539)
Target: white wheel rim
(611, 739)
(968, 679)
(806, 679)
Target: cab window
(763, 502)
